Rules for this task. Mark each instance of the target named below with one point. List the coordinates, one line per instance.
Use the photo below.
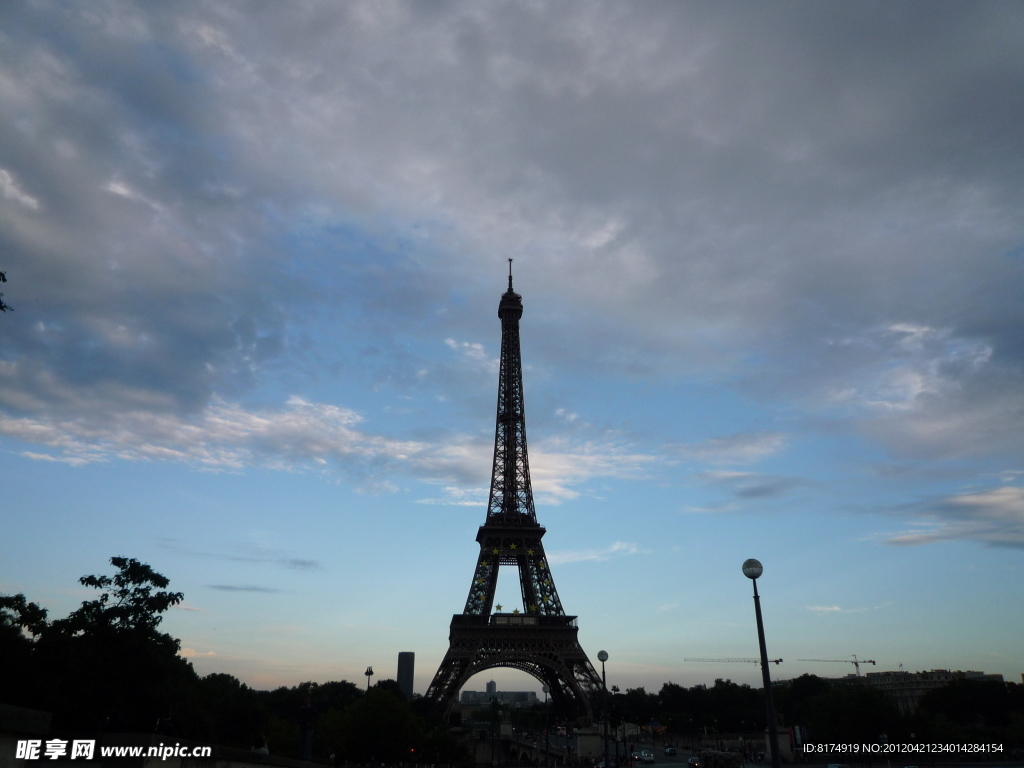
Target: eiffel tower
(541, 640)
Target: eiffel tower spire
(542, 639)
(511, 498)
(511, 534)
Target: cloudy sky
(772, 263)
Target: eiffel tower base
(545, 647)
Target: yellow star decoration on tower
(533, 608)
(494, 551)
(529, 551)
(515, 612)
(511, 546)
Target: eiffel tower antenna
(542, 640)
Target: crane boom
(738, 661)
(855, 661)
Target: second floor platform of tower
(512, 620)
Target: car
(693, 762)
(670, 751)
(646, 756)
(635, 755)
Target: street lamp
(369, 674)
(752, 569)
(615, 689)
(602, 656)
(547, 729)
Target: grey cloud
(993, 516)
(748, 193)
(251, 554)
(752, 485)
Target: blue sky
(770, 258)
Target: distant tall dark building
(492, 688)
(406, 666)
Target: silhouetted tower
(541, 640)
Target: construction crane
(856, 662)
(738, 661)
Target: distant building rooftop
(507, 698)
(906, 689)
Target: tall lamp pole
(752, 569)
(369, 674)
(602, 656)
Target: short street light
(369, 674)
(547, 728)
(602, 656)
(752, 569)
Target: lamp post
(615, 689)
(547, 730)
(602, 656)
(369, 674)
(752, 569)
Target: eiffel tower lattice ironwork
(542, 640)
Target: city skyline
(772, 269)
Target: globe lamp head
(752, 568)
(602, 656)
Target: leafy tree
(4, 307)
(127, 604)
(106, 666)
(854, 712)
(380, 727)
(977, 710)
(17, 664)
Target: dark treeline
(966, 711)
(107, 668)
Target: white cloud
(474, 352)
(223, 436)
(743, 447)
(460, 497)
(11, 191)
(74, 461)
(307, 435)
(556, 464)
(618, 549)
(192, 653)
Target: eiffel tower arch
(542, 640)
